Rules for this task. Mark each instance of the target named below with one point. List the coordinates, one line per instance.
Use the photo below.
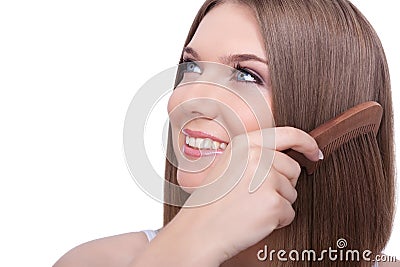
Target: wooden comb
(361, 119)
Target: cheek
(172, 103)
(259, 116)
(178, 96)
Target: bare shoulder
(118, 250)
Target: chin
(189, 181)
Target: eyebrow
(230, 58)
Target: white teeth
(207, 143)
(222, 146)
(215, 145)
(204, 143)
(199, 142)
(192, 141)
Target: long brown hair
(324, 58)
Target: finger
(282, 185)
(283, 138)
(282, 163)
(296, 139)
(287, 216)
(264, 157)
(287, 167)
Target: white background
(68, 71)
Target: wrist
(181, 243)
(196, 244)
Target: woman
(310, 61)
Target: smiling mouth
(198, 144)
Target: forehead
(228, 28)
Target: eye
(246, 75)
(191, 66)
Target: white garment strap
(150, 234)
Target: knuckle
(289, 130)
(297, 168)
(254, 154)
(288, 218)
(294, 195)
(291, 215)
(276, 202)
(297, 133)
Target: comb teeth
(361, 119)
(347, 137)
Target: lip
(199, 134)
(197, 153)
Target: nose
(197, 100)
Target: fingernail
(320, 154)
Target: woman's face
(208, 116)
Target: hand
(240, 219)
